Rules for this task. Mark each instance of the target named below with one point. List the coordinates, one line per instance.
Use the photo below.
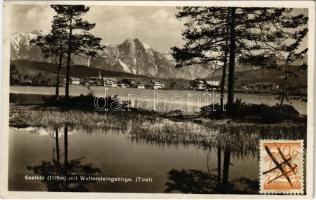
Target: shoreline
(162, 100)
(57, 112)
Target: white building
(213, 84)
(75, 81)
(109, 81)
(158, 85)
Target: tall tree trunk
(223, 81)
(283, 94)
(67, 76)
(68, 59)
(231, 69)
(207, 163)
(66, 183)
(57, 147)
(224, 65)
(58, 75)
(66, 149)
(219, 162)
(226, 170)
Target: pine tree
(79, 41)
(252, 33)
(206, 36)
(280, 32)
(52, 45)
(293, 54)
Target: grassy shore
(240, 137)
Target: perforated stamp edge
(302, 171)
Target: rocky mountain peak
(131, 56)
(134, 43)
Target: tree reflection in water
(199, 182)
(229, 139)
(69, 168)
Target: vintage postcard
(158, 99)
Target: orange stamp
(281, 167)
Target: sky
(155, 26)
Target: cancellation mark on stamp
(281, 166)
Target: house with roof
(213, 84)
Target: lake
(33, 151)
(181, 157)
(127, 153)
(189, 101)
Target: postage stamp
(281, 167)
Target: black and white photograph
(170, 98)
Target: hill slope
(33, 68)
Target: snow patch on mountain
(131, 56)
(146, 46)
(125, 67)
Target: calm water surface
(117, 153)
(189, 101)
(172, 168)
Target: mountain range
(131, 56)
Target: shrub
(87, 102)
(254, 112)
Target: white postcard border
(5, 100)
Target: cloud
(155, 26)
(27, 18)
